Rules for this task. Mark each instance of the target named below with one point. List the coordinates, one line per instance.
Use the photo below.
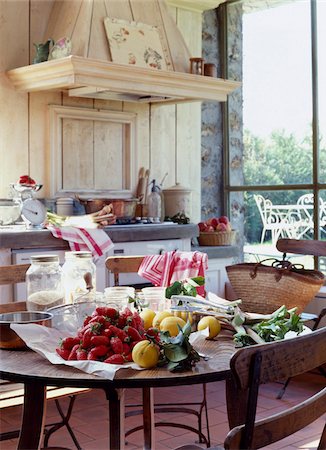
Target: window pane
(321, 37)
(270, 215)
(277, 109)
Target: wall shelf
(85, 77)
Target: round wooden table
(35, 372)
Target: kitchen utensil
(177, 199)
(8, 338)
(122, 208)
(141, 185)
(9, 211)
(147, 173)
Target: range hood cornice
(86, 77)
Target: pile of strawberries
(107, 335)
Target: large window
(276, 143)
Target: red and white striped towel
(163, 270)
(93, 240)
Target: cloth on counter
(94, 240)
(163, 270)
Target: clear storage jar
(44, 283)
(79, 275)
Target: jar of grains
(79, 275)
(44, 283)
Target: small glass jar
(44, 283)
(79, 275)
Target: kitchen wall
(168, 137)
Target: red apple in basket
(221, 227)
(202, 226)
(210, 229)
(224, 219)
(214, 222)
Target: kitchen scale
(32, 210)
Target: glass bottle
(44, 283)
(79, 275)
(154, 203)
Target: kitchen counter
(18, 238)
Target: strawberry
(115, 359)
(73, 353)
(97, 352)
(128, 357)
(116, 345)
(137, 319)
(126, 348)
(133, 333)
(110, 313)
(64, 353)
(68, 343)
(100, 340)
(153, 333)
(115, 331)
(102, 320)
(26, 179)
(81, 354)
(86, 320)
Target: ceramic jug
(42, 51)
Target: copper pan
(122, 208)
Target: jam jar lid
(44, 258)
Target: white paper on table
(44, 341)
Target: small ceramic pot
(177, 199)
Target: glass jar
(79, 275)
(44, 283)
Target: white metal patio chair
(280, 222)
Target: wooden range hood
(89, 72)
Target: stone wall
(212, 137)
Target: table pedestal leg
(148, 417)
(116, 419)
(33, 417)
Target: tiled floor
(90, 418)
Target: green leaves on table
(186, 287)
(178, 353)
(282, 321)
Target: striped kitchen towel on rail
(94, 240)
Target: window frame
(315, 186)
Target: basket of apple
(216, 231)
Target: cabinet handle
(119, 251)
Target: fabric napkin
(163, 270)
(93, 240)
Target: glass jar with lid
(44, 283)
(79, 275)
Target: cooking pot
(122, 208)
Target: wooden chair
(12, 394)
(267, 363)
(117, 265)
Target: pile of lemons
(146, 354)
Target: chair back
(263, 205)
(122, 264)
(272, 362)
(13, 274)
(302, 246)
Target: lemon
(170, 324)
(214, 326)
(145, 354)
(147, 315)
(186, 316)
(159, 317)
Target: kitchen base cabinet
(216, 275)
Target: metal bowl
(9, 211)
(8, 338)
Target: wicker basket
(263, 288)
(216, 238)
